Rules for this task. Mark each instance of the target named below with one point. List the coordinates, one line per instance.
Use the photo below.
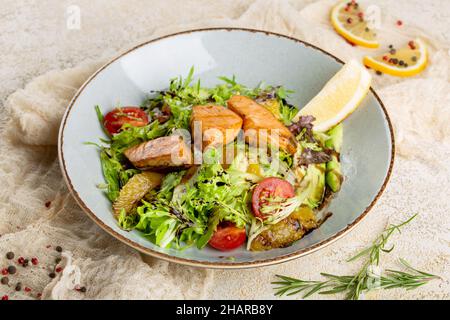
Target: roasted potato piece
(226, 122)
(135, 189)
(160, 153)
(262, 123)
(285, 232)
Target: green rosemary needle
(365, 279)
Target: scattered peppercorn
(48, 204)
(48, 246)
(57, 260)
(4, 280)
(39, 295)
(394, 61)
(392, 51)
(5, 297)
(391, 46)
(4, 271)
(10, 255)
(349, 20)
(27, 289)
(414, 58)
(367, 29)
(34, 261)
(18, 286)
(52, 275)
(406, 65)
(12, 270)
(401, 62)
(378, 73)
(25, 264)
(59, 249)
(385, 58)
(411, 45)
(59, 269)
(20, 260)
(83, 289)
(399, 22)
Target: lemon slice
(340, 96)
(348, 20)
(404, 62)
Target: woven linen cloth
(37, 213)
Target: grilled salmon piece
(160, 153)
(261, 125)
(219, 125)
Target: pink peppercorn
(5, 297)
(34, 261)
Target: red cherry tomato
(227, 237)
(115, 119)
(270, 187)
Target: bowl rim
(207, 264)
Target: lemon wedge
(340, 96)
(404, 62)
(348, 20)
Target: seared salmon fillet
(160, 153)
(263, 122)
(226, 122)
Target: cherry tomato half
(115, 119)
(270, 187)
(227, 237)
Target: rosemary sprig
(365, 279)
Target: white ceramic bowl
(253, 56)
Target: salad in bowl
(224, 166)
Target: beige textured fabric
(419, 107)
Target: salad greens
(186, 212)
